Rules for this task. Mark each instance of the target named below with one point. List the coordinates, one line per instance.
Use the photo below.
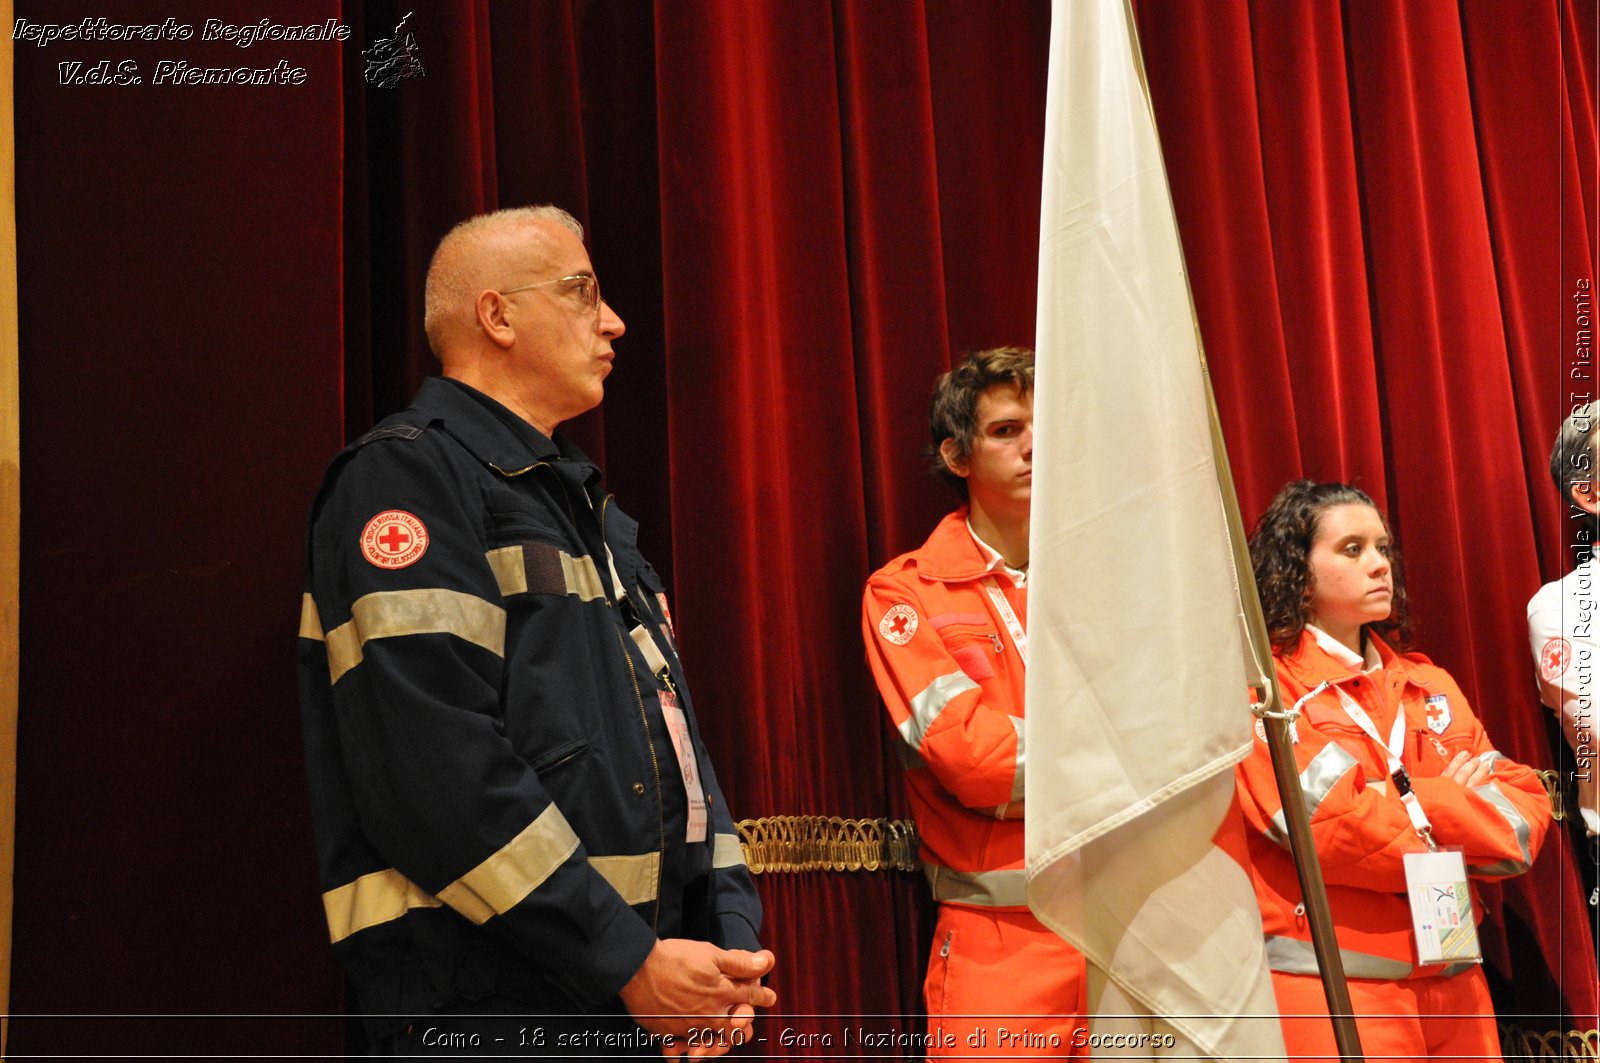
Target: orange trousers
(1001, 983)
(1411, 1019)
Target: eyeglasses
(584, 285)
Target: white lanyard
(1019, 637)
(1397, 770)
(641, 638)
(696, 809)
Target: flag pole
(1269, 709)
(1269, 706)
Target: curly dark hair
(953, 413)
(1280, 554)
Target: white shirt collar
(997, 563)
(1341, 653)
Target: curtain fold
(180, 295)
(1313, 199)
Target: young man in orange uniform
(945, 634)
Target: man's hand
(694, 986)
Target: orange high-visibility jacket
(1361, 829)
(952, 679)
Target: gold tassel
(827, 843)
(1552, 787)
(1549, 1044)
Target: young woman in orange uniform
(1375, 722)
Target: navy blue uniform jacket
(498, 808)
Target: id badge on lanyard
(672, 712)
(683, 745)
(678, 729)
(1441, 908)
(1442, 920)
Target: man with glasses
(515, 813)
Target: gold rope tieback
(827, 843)
(1552, 787)
(1549, 1044)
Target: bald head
(478, 255)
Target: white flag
(1137, 703)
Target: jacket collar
(951, 554)
(495, 436)
(1309, 664)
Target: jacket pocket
(973, 642)
(563, 756)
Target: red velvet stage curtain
(1388, 211)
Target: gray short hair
(450, 277)
(1572, 460)
(512, 215)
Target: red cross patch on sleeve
(1554, 658)
(394, 539)
(898, 624)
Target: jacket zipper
(561, 496)
(649, 738)
(516, 472)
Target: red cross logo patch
(1554, 658)
(1438, 710)
(394, 539)
(898, 624)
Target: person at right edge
(1398, 775)
(1562, 620)
(945, 636)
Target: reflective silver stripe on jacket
(636, 878)
(1492, 793)
(310, 623)
(1317, 781)
(726, 851)
(579, 577)
(516, 870)
(1293, 956)
(1017, 781)
(384, 896)
(380, 897)
(989, 889)
(423, 611)
(926, 706)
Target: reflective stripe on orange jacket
(952, 679)
(1361, 829)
